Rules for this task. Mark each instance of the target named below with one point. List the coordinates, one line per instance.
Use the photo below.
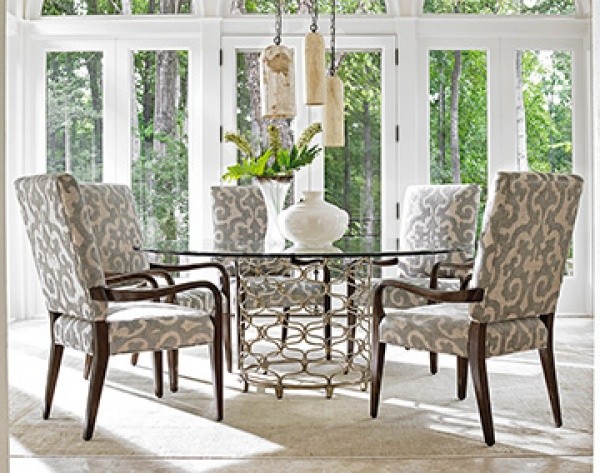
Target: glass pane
(304, 6)
(502, 7)
(458, 119)
(114, 7)
(353, 173)
(544, 114)
(74, 114)
(159, 149)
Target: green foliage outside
(106, 7)
(73, 117)
(291, 6)
(501, 7)
(160, 178)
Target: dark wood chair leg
(54, 360)
(99, 365)
(378, 359)
(134, 358)
(216, 362)
(158, 374)
(433, 362)
(56, 352)
(461, 377)
(547, 359)
(227, 341)
(477, 334)
(173, 362)
(87, 366)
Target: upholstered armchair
(510, 301)
(88, 315)
(436, 216)
(117, 229)
(239, 215)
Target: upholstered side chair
(434, 216)
(509, 304)
(117, 229)
(239, 215)
(88, 315)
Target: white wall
(596, 179)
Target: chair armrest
(192, 266)
(386, 262)
(437, 295)
(467, 265)
(149, 276)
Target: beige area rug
(420, 416)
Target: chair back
(64, 248)
(239, 213)
(437, 216)
(524, 243)
(116, 227)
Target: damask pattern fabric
(136, 327)
(65, 252)
(444, 328)
(400, 299)
(524, 244)
(437, 216)
(116, 227)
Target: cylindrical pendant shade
(277, 85)
(333, 113)
(314, 68)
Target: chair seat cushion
(281, 291)
(401, 299)
(139, 326)
(444, 328)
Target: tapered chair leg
(99, 365)
(216, 362)
(56, 352)
(158, 374)
(134, 358)
(477, 333)
(547, 359)
(227, 342)
(173, 362)
(376, 376)
(433, 362)
(461, 377)
(87, 366)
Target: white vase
(312, 222)
(274, 191)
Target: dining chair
(434, 216)
(239, 215)
(88, 315)
(116, 226)
(509, 304)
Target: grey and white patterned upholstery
(434, 216)
(522, 251)
(69, 265)
(116, 227)
(240, 215)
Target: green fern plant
(275, 161)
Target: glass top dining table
(303, 314)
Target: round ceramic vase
(313, 223)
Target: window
(74, 114)
(501, 7)
(304, 6)
(458, 118)
(159, 149)
(113, 7)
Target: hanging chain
(332, 32)
(315, 16)
(277, 38)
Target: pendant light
(333, 112)
(277, 85)
(314, 62)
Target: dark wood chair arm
(147, 275)
(437, 295)
(386, 262)
(224, 275)
(433, 278)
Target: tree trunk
(442, 118)
(368, 162)
(347, 181)
(126, 7)
(237, 7)
(93, 65)
(454, 144)
(522, 162)
(67, 125)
